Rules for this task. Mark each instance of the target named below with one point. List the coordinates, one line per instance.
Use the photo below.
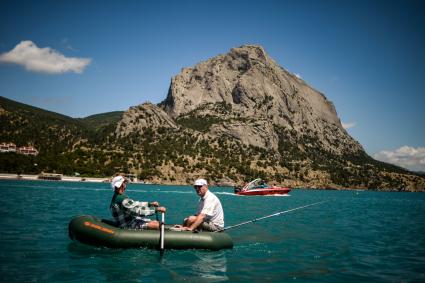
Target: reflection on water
(195, 266)
(147, 265)
(211, 266)
(114, 264)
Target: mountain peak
(251, 84)
(237, 117)
(214, 80)
(253, 52)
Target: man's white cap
(117, 182)
(200, 182)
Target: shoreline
(28, 177)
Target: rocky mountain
(240, 115)
(231, 118)
(146, 116)
(257, 89)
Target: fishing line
(268, 216)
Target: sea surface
(356, 236)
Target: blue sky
(367, 57)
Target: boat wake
(225, 193)
(277, 195)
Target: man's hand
(186, 229)
(182, 228)
(160, 209)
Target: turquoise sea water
(355, 237)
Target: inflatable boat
(98, 232)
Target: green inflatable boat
(93, 231)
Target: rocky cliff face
(261, 94)
(139, 118)
(240, 115)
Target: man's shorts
(140, 223)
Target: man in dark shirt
(129, 213)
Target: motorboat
(259, 187)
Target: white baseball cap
(117, 182)
(200, 182)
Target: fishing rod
(268, 216)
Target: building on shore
(25, 150)
(50, 176)
(7, 147)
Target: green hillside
(91, 147)
(57, 137)
(47, 131)
(99, 121)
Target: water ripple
(356, 237)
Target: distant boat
(259, 187)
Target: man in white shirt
(210, 215)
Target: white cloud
(406, 156)
(44, 60)
(348, 125)
(298, 75)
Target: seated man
(210, 215)
(129, 213)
